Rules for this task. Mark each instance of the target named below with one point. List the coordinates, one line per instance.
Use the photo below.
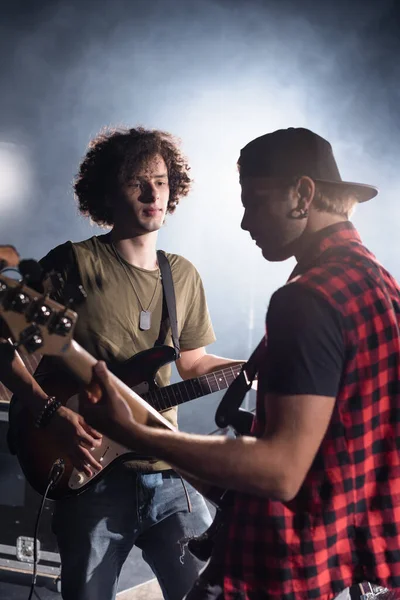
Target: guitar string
(161, 398)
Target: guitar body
(38, 451)
(140, 370)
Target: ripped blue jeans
(96, 531)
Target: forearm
(245, 464)
(19, 381)
(209, 363)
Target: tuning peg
(39, 311)
(3, 289)
(82, 292)
(32, 273)
(60, 323)
(14, 298)
(30, 338)
(78, 296)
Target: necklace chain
(131, 282)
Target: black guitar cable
(56, 472)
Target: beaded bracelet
(48, 411)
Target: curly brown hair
(113, 156)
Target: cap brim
(364, 192)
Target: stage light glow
(15, 177)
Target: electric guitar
(40, 325)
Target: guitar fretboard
(184, 391)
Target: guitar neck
(81, 363)
(184, 391)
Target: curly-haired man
(315, 511)
(129, 179)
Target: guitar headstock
(37, 323)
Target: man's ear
(306, 191)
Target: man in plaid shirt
(317, 502)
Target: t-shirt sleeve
(61, 282)
(305, 347)
(61, 272)
(197, 330)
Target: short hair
(335, 199)
(112, 158)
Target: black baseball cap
(295, 152)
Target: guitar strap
(169, 317)
(229, 411)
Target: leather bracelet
(48, 411)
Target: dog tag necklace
(145, 313)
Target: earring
(299, 213)
(303, 213)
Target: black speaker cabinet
(19, 506)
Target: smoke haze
(217, 74)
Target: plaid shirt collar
(333, 236)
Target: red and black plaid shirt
(344, 524)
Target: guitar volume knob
(80, 478)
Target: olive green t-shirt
(116, 292)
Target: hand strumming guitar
(103, 407)
(77, 438)
(69, 430)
